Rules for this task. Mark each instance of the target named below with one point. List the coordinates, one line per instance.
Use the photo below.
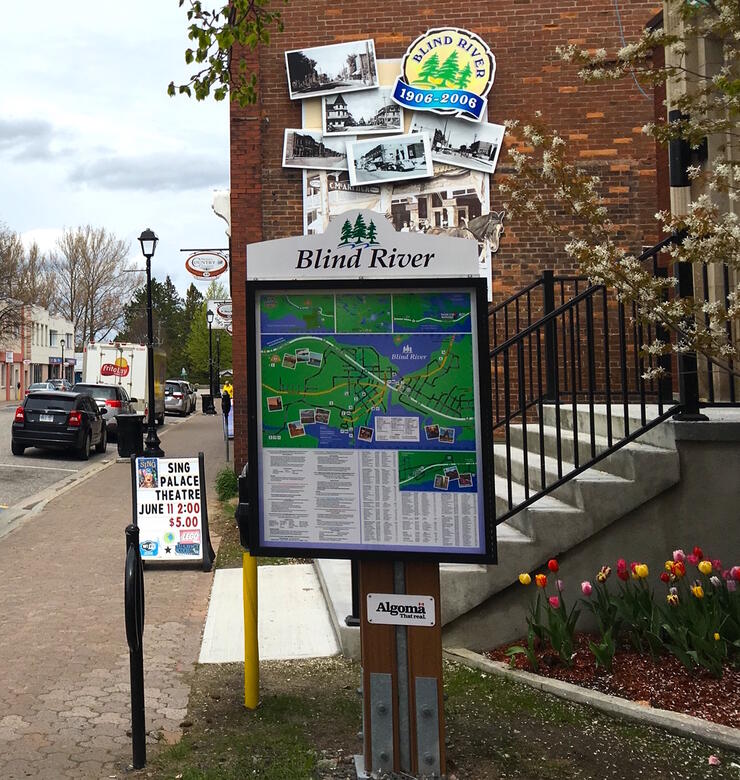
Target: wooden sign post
(368, 418)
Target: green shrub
(226, 484)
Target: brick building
(602, 124)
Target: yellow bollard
(251, 645)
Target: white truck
(126, 365)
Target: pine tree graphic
(447, 72)
(428, 70)
(464, 78)
(359, 231)
(372, 233)
(346, 234)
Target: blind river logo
(448, 71)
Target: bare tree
(94, 281)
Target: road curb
(674, 722)
(15, 516)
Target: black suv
(59, 420)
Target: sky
(88, 134)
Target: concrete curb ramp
(674, 722)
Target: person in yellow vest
(228, 388)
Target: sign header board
(362, 244)
(366, 425)
(395, 609)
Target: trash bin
(130, 434)
(207, 401)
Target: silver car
(177, 397)
(112, 397)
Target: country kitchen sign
(448, 71)
(206, 265)
(170, 510)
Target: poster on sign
(169, 508)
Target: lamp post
(218, 364)
(209, 319)
(61, 373)
(148, 241)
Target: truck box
(126, 365)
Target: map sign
(367, 419)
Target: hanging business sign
(368, 360)
(448, 71)
(169, 508)
(206, 265)
(221, 313)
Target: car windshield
(97, 391)
(171, 387)
(38, 386)
(49, 403)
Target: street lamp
(61, 375)
(218, 364)
(209, 320)
(148, 241)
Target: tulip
(679, 555)
(717, 564)
(623, 575)
(552, 565)
(641, 570)
(692, 559)
(633, 565)
(540, 580)
(554, 602)
(674, 591)
(603, 574)
(713, 760)
(672, 599)
(731, 585)
(586, 588)
(665, 577)
(698, 553)
(669, 566)
(716, 637)
(524, 578)
(679, 569)
(716, 582)
(621, 564)
(697, 590)
(735, 573)
(705, 567)
(559, 585)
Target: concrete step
(629, 461)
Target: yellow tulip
(716, 637)
(705, 567)
(641, 570)
(525, 579)
(669, 566)
(698, 591)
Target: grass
(307, 724)
(226, 484)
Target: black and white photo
(456, 142)
(361, 113)
(327, 70)
(389, 159)
(311, 149)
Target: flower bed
(678, 651)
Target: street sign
(170, 510)
(206, 265)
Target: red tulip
(698, 553)
(665, 577)
(552, 565)
(540, 580)
(554, 602)
(623, 574)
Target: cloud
(30, 139)
(152, 173)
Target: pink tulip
(731, 585)
(692, 559)
(679, 555)
(554, 602)
(717, 564)
(713, 760)
(586, 588)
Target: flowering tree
(705, 104)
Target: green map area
(297, 313)
(418, 470)
(364, 313)
(321, 390)
(428, 312)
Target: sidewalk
(64, 704)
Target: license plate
(46, 418)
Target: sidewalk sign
(368, 418)
(170, 510)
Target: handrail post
(548, 282)
(134, 611)
(688, 375)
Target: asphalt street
(24, 475)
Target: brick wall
(602, 123)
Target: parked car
(61, 384)
(59, 420)
(405, 165)
(177, 397)
(193, 396)
(114, 398)
(40, 386)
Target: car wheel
(84, 451)
(103, 443)
(16, 448)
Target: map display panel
(369, 436)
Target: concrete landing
(293, 621)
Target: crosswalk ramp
(293, 621)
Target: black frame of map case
(369, 419)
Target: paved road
(25, 475)
(64, 697)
